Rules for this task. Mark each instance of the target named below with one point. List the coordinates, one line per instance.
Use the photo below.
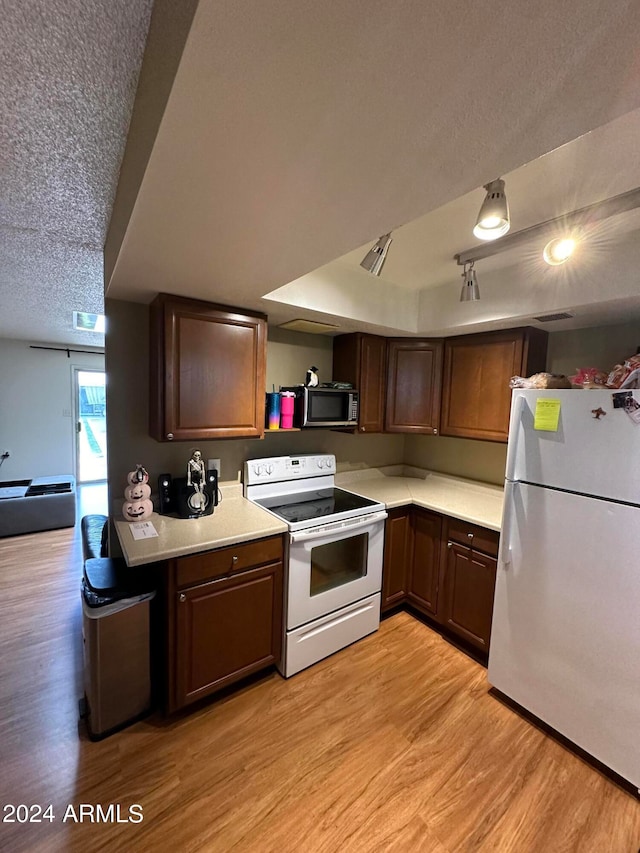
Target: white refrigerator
(565, 640)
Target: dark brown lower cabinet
(224, 627)
(398, 543)
(444, 568)
(411, 559)
(467, 601)
(424, 575)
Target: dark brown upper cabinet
(414, 374)
(476, 397)
(207, 370)
(362, 360)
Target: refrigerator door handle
(514, 433)
(504, 553)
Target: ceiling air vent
(549, 318)
(310, 326)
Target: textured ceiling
(597, 166)
(298, 131)
(293, 133)
(595, 286)
(69, 70)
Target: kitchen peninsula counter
(234, 520)
(469, 500)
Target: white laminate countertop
(234, 520)
(237, 520)
(468, 500)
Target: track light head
(470, 291)
(374, 260)
(493, 218)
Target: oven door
(333, 565)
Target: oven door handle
(339, 527)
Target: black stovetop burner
(318, 503)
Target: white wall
(290, 354)
(459, 457)
(601, 347)
(36, 408)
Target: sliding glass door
(91, 425)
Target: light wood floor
(392, 744)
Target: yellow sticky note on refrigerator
(547, 414)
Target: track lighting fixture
(493, 218)
(563, 234)
(470, 291)
(374, 260)
(577, 222)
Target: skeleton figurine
(196, 477)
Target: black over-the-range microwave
(324, 407)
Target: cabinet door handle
(234, 559)
(182, 598)
(169, 436)
(435, 431)
(469, 535)
(449, 544)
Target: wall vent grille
(549, 318)
(309, 326)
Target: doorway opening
(91, 425)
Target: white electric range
(335, 553)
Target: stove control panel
(284, 468)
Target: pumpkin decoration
(137, 496)
(137, 510)
(139, 492)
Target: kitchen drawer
(225, 561)
(478, 538)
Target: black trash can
(116, 640)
